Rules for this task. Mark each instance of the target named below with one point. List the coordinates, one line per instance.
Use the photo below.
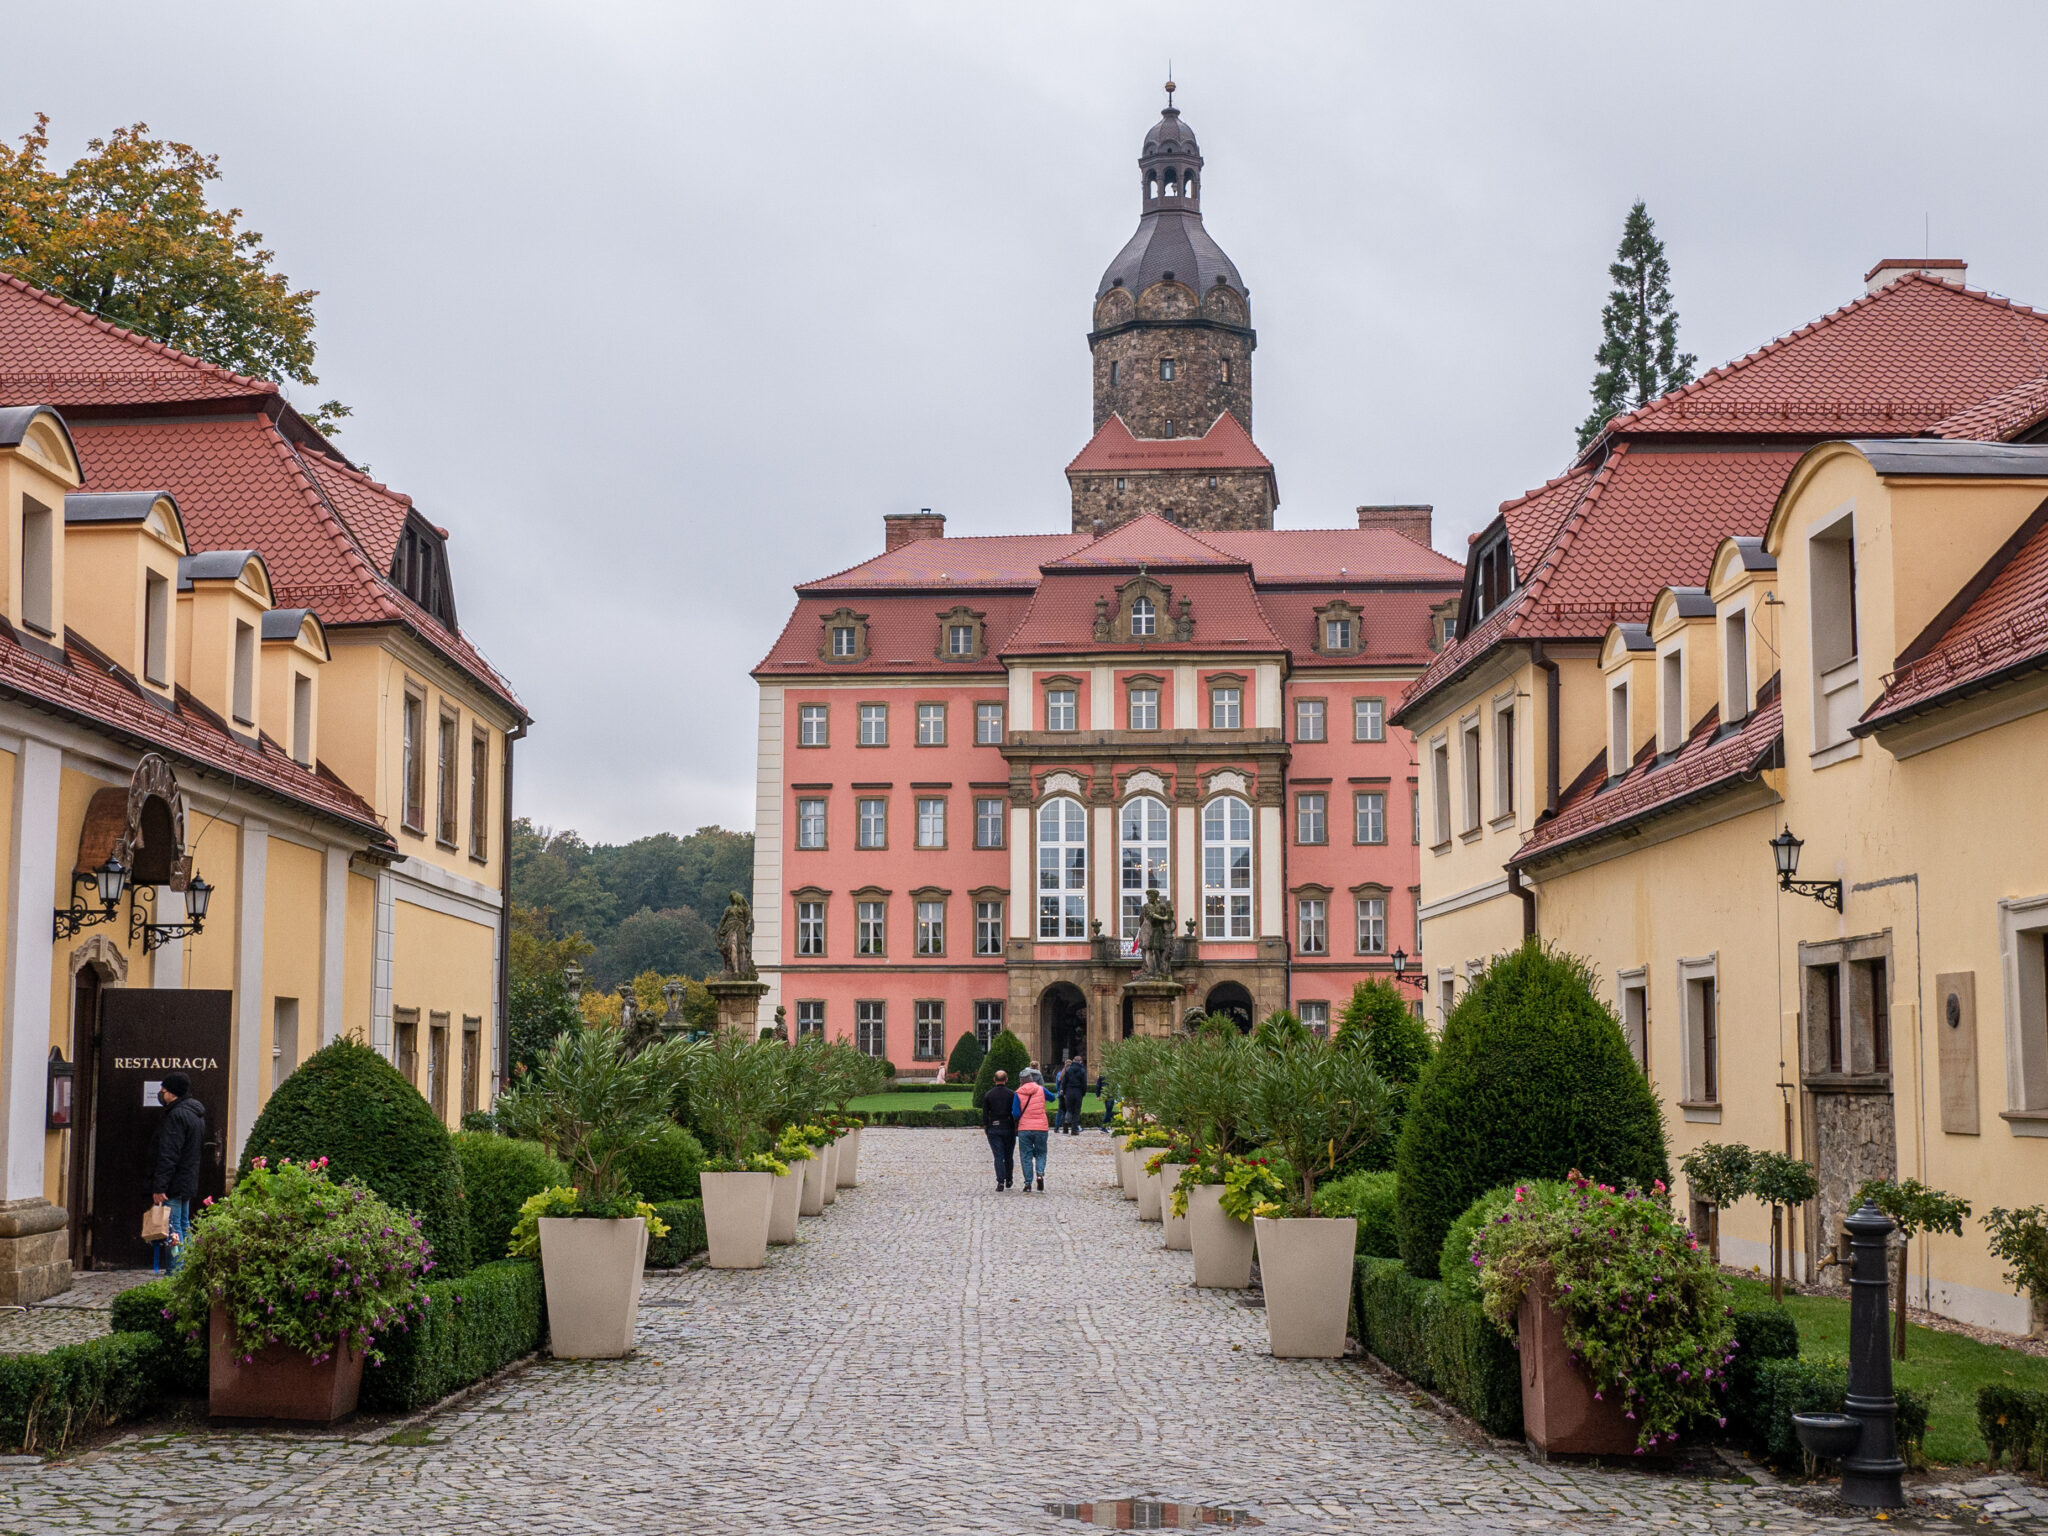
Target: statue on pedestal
(1155, 937)
(736, 939)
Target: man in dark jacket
(174, 1157)
(999, 1123)
(1073, 1086)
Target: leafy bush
(1802, 1384)
(296, 1259)
(2014, 1423)
(568, 1203)
(684, 1238)
(965, 1061)
(1006, 1053)
(1454, 1263)
(472, 1326)
(1379, 1022)
(1370, 1197)
(144, 1309)
(665, 1167)
(48, 1401)
(2020, 1239)
(1532, 1080)
(499, 1175)
(593, 1102)
(1315, 1101)
(349, 1105)
(1762, 1334)
(1441, 1344)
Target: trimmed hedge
(1762, 1334)
(685, 1219)
(1445, 1346)
(48, 1401)
(2014, 1424)
(1369, 1197)
(498, 1176)
(140, 1309)
(667, 1167)
(948, 1118)
(923, 1088)
(965, 1062)
(1798, 1385)
(473, 1326)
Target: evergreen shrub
(140, 1309)
(349, 1105)
(1441, 1344)
(1454, 1260)
(1762, 1334)
(1801, 1384)
(48, 1401)
(685, 1239)
(1379, 1022)
(1370, 1197)
(965, 1061)
(1532, 1079)
(666, 1167)
(499, 1175)
(1005, 1053)
(2014, 1423)
(472, 1326)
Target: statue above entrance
(1155, 937)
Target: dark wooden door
(85, 1049)
(145, 1034)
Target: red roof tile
(57, 354)
(1145, 540)
(969, 562)
(2000, 418)
(903, 634)
(1226, 611)
(1397, 623)
(1315, 555)
(1226, 445)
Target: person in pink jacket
(1032, 1125)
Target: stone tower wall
(1239, 499)
(1195, 396)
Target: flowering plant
(1254, 1186)
(753, 1162)
(296, 1259)
(1645, 1314)
(565, 1202)
(1149, 1136)
(1176, 1149)
(1205, 1165)
(795, 1145)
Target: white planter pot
(849, 1160)
(815, 1173)
(592, 1272)
(1222, 1244)
(830, 1156)
(1176, 1226)
(1123, 1174)
(1148, 1189)
(1305, 1263)
(782, 1208)
(737, 1208)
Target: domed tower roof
(1170, 241)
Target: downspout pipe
(1528, 896)
(1551, 708)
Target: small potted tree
(733, 1092)
(294, 1278)
(594, 1102)
(793, 1187)
(1206, 1086)
(1317, 1102)
(1167, 1165)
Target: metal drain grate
(1148, 1515)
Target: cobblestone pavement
(932, 1358)
(81, 1313)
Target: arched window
(1144, 846)
(1144, 617)
(1227, 869)
(1062, 870)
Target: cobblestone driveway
(933, 1358)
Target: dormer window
(245, 673)
(419, 566)
(1671, 699)
(960, 634)
(1339, 628)
(960, 640)
(845, 637)
(1337, 634)
(1735, 658)
(38, 566)
(842, 640)
(302, 720)
(1144, 618)
(1617, 730)
(156, 629)
(1493, 576)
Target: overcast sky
(659, 308)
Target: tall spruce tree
(1638, 357)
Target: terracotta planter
(814, 1174)
(1148, 1190)
(279, 1383)
(1560, 1415)
(1176, 1226)
(592, 1272)
(1305, 1264)
(783, 1205)
(737, 1208)
(831, 1157)
(1222, 1244)
(849, 1160)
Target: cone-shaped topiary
(965, 1062)
(1379, 1022)
(1007, 1052)
(1531, 1080)
(349, 1105)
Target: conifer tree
(1638, 357)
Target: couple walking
(1015, 1120)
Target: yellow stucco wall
(291, 950)
(443, 964)
(356, 979)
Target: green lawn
(952, 1098)
(1947, 1367)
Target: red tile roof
(903, 634)
(54, 353)
(1397, 623)
(1315, 555)
(971, 562)
(1226, 445)
(2000, 418)
(1226, 612)
(1145, 540)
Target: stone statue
(736, 939)
(782, 1023)
(1155, 937)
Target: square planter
(1305, 1264)
(1222, 1244)
(1560, 1415)
(831, 1157)
(782, 1210)
(592, 1271)
(737, 1208)
(279, 1383)
(1176, 1227)
(849, 1160)
(1148, 1189)
(815, 1173)
(1123, 1171)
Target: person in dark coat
(1073, 1085)
(999, 1124)
(174, 1157)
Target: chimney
(1944, 269)
(901, 528)
(1410, 521)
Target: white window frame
(1226, 708)
(1369, 816)
(244, 706)
(845, 640)
(1228, 868)
(810, 1018)
(39, 574)
(931, 821)
(1632, 988)
(1440, 790)
(988, 927)
(1620, 731)
(156, 629)
(872, 831)
(1311, 720)
(871, 1027)
(810, 927)
(871, 927)
(2023, 968)
(931, 927)
(1336, 634)
(1368, 719)
(988, 1020)
(1469, 772)
(988, 821)
(1737, 697)
(931, 725)
(1504, 764)
(1143, 709)
(1701, 1033)
(1062, 710)
(810, 822)
(1671, 662)
(1144, 618)
(1315, 1014)
(1062, 870)
(809, 715)
(960, 640)
(1311, 925)
(1834, 658)
(988, 724)
(1370, 913)
(1311, 818)
(874, 725)
(928, 1029)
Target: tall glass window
(988, 1021)
(1143, 847)
(1059, 709)
(1226, 709)
(988, 725)
(1369, 807)
(810, 928)
(871, 1028)
(874, 824)
(1144, 617)
(931, 823)
(874, 725)
(931, 927)
(988, 927)
(1062, 870)
(1227, 869)
(812, 723)
(1369, 719)
(868, 938)
(810, 823)
(1144, 709)
(1372, 925)
(810, 1019)
(928, 1041)
(931, 725)
(1311, 824)
(1313, 935)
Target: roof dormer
(294, 645)
(1742, 583)
(38, 469)
(1628, 668)
(121, 554)
(419, 566)
(223, 595)
(1682, 630)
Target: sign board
(146, 1034)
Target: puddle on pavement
(1146, 1515)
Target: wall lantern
(57, 1101)
(1420, 983)
(1785, 850)
(108, 882)
(198, 897)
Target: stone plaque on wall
(1955, 1030)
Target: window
(472, 1060)
(812, 725)
(1369, 808)
(1144, 618)
(988, 1021)
(1226, 869)
(988, 823)
(1504, 758)
(931, 822)
(156, 628)
(1115, 377)
(1119, 483)
(1311, 824)
(931, 725)
(1876, 998)
(1618, 752)
(1144, 709)
(810, 823)
(868, 934)
(1493, 578)
(1336, 634)
(284, 1039)
(1308, 720)
(1635, 1019)
(1166, 365)
(1226, 370)
(1837, 680)
(1671, 700)
(1440, 789)
(415, 763)
(419, 566)
(1062, 870)
(1311, 929)
(1059, 709)
(437, 1064)
(302, 720)
(1415, 811)
(810, 927)
(1735, 661)
(1372, 925)
(479, 795)
(960, 640)
(444, 791)
(929, 1037)
(1316, 1016)
(1142, 847)
(1827, 998)
(245, 673)
(810, 1019)
(931, 927)
(988, 927)
(405, 1035)
(874, 824)
(1468, 753)
(1368, 719)
(1702, 1034)
(988, 725)
(874, 725)
(871, 1029)
(1226, 711)
(845, 640)
(39, 578)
